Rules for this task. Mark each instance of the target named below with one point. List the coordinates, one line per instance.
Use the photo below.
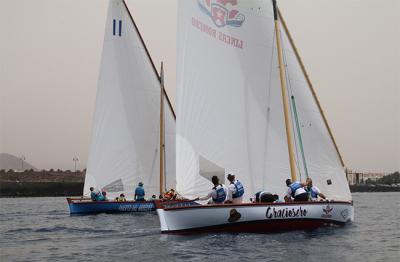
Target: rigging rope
(294, 116)
(293, 109)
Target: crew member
(121, 198)
(313, 191)
(169, 195)
(266, 197)
(217, 193)
(96, 195)
(296, 191)
(139, 192)
(235, 190)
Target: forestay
(125, 143)
(230, 107)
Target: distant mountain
(8, 161)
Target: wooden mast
(314, 94)
(160, 78)
(282, 75)
(162, 143)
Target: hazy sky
(50, 54)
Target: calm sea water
(41, 229)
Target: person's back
(95, 195)
(217, 194)
(296, 191)
(220, 194)
(139, 192)
(265, 197)
(235, 190)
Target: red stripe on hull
(261, 226)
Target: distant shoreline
(45, 183)
(374, 188)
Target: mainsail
(230, 107)
(125, 144)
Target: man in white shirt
(235, 190)
(313, 191)
(296, 191)
(217, 193)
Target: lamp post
(22, 158)
(75, 159)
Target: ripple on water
(47, 232)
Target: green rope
(299, 136)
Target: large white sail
(125, 143)
(229, 102)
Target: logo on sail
(222, 12)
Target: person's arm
(321, 195)
(288, 196)
(208, 196)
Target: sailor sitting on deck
(217, 193)
(266, 197)
(96, 195)
(313, 191)
(235, 191)
(121, 198)
(296, 191)
(139, 192)
(169, 195)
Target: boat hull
(254, 218)
(84, 206)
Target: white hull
(258, 218)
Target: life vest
(294, 186)
(239, 189)
(169, 195)
(221, 194)
(100, 197)
(313, 193)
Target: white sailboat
(246, 105)
(133, 136)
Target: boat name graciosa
(283, 213)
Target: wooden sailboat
(247, 106)
(133, 137)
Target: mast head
(275, 10)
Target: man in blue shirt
(139, 192)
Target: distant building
(354, 177)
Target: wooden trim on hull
(260, 226)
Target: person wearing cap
(217, 193)
(139, 192)
(235, 190)
(296, 191)
(313, 191)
